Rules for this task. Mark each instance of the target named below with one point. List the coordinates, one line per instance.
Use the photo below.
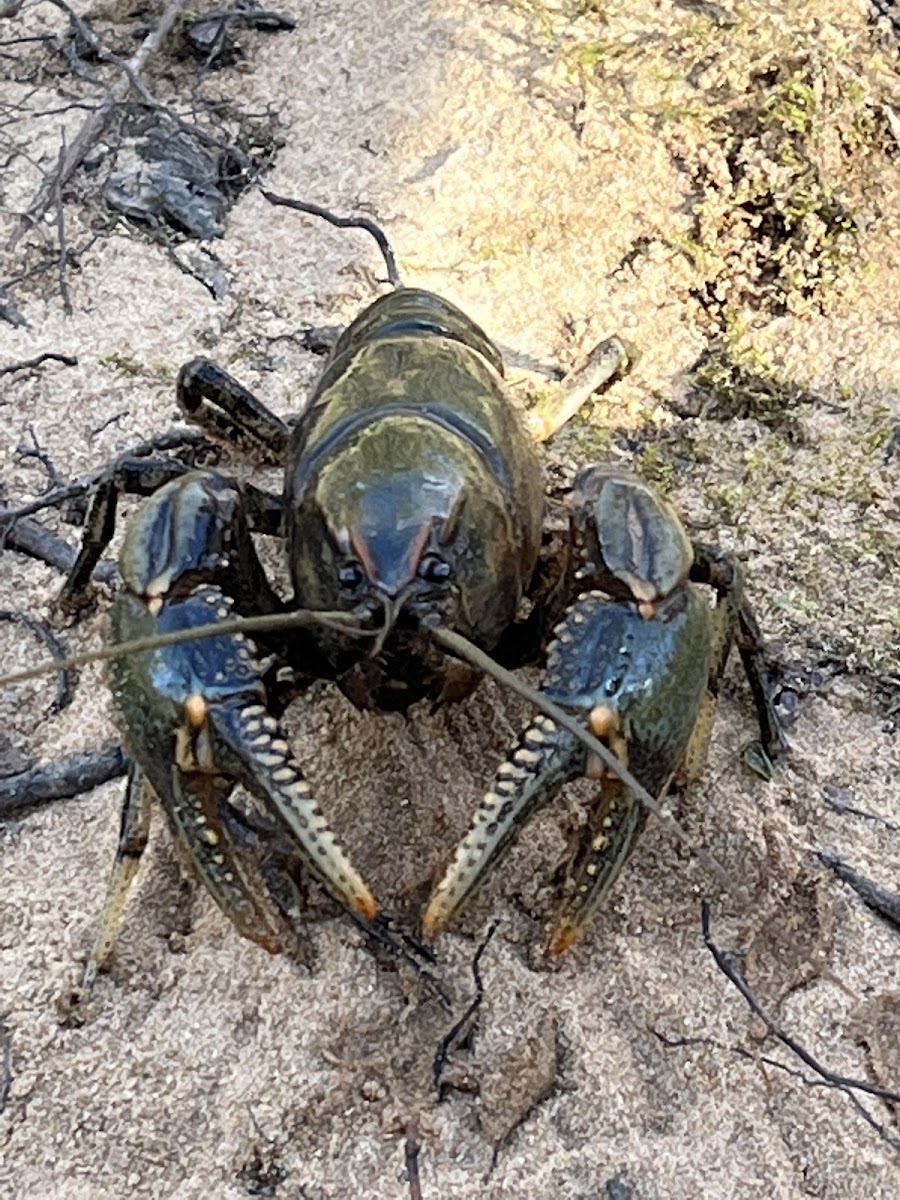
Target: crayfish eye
(434, 569)
(351, 576)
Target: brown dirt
(713, 180)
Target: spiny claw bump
(523, 783)
(266, 767)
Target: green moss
(791, 106)
(731, 384)
(123, 363)
(657, 467)
(795, 601)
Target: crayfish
(413, 511)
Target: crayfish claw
(609, 839)
(250, 745)
(196, 721)
(544, 758)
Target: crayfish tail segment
(544, 758)
(607, 845)
(251, 746)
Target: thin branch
(66, 359)
(404, 948)
(30, 537)
(462, 1025)
(9, 312)
(172, 439)
(60, 780)
(61, 228)
(879, 899)
(37, 451)
(114, 419)
(726, 962)
(42, 631)
(316, 210)
(5, 1063)
(411, 1149)
(838, 801)
(48, 264)
(95, 123)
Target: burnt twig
(402, 947)
(61, 227)
(36, 450)
(316, 210)
(27, 364)
(879, 899)
(172, 439)
(727, 964)
(462, 1025)
(9, 312)
(61, 780)
(57, 650)
(840, 800)
(113, 420)
(5, 1063)
(31, 538)
(96, 121)
(411, 1149)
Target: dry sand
(541, 165)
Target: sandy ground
(562, 172)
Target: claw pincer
(633, 657)
(195, 714)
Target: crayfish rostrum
(413, 502)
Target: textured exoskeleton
(413, 499)
(639, 654)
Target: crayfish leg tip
(562, 939)
(366, 905)
(433, 925)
